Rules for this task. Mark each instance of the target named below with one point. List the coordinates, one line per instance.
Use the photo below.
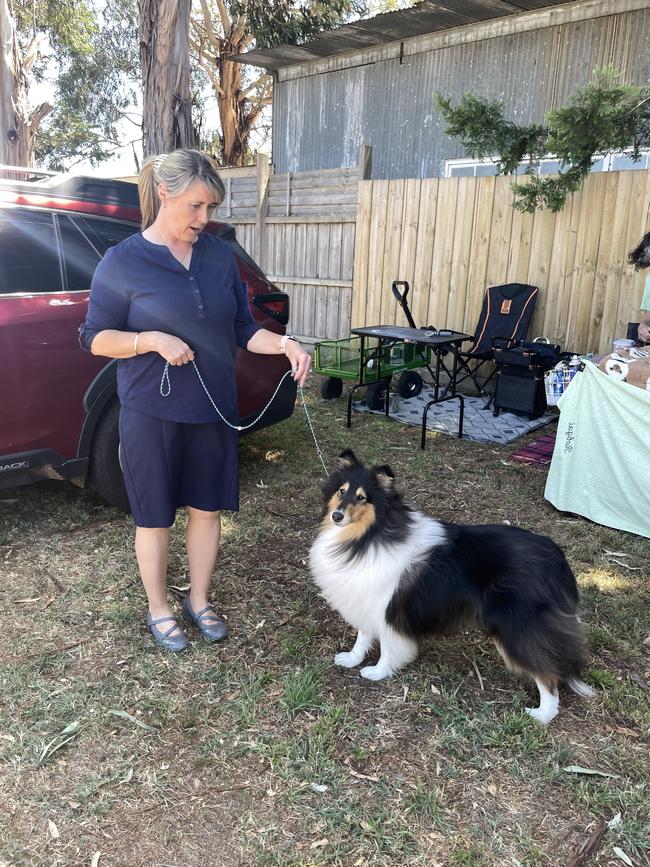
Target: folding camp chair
(505, 316)
(633, 333)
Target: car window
(29, 258)
(85, 240)
(104, 233)
(80, 254)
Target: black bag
(529, 354)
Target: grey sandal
(173, 643)
(210, 625)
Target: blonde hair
(177, 170)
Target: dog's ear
(384, 476)
(346, 460)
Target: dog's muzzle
(337, 516)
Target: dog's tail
(580, 687)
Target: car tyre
(376, 394)
(409, 384)
(105, 472)
(331, 387)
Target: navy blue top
(140, 286)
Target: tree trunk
(234, 135)
(18, 122)
(215, 38)
(164, 52)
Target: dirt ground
(259, 751)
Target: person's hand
(300, 361)
(644, 332)
(173, 349)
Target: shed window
(550, 165)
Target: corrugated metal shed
(383, 94)
(425, 17)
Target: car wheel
(376, 394)
(331, 387)
(409, 384)
(105, 473)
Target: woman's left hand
(300, 361)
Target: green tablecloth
(601, 461)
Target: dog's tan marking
(362, 517)
(548, 680)
(384, 477)
(361, 493)
(332, 505)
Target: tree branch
(263, 79)
(37, 116)
(225, 18)
(212, 75)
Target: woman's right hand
(173, 349)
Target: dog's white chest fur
(360, 589)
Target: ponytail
(148, 192)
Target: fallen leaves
(577, 769)
(127, 716)
(69, 733)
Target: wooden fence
(335, 242)
(453, 237)
(300, 228)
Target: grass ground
(259, 751)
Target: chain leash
(166, 390)
(319, 451)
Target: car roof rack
(106, 191)
(84, 187)
(26, 170)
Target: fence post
(365, 162)
(261, 209)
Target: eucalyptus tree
(34, 34)
(222, 28)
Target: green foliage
(93, 63)
(68, 24)
(484, 131)
(274, 22)
(602, 117)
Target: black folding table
(440, 343)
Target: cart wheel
(409, 384)
(376, 394)
(331, 387)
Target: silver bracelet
(283, 342)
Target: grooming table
(440, 343)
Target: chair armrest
(502, 343)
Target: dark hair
(177, 170)
(640, 256)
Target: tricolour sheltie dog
(396, 576)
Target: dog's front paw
(374, 672)
(347, 660)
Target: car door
(46, 265)
(42, 389)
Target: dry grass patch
(259, 751)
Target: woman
(172, 293)
(640, 258)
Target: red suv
(58, 404)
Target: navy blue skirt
(169, 464)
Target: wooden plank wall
(306, 229)
(453, 237)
